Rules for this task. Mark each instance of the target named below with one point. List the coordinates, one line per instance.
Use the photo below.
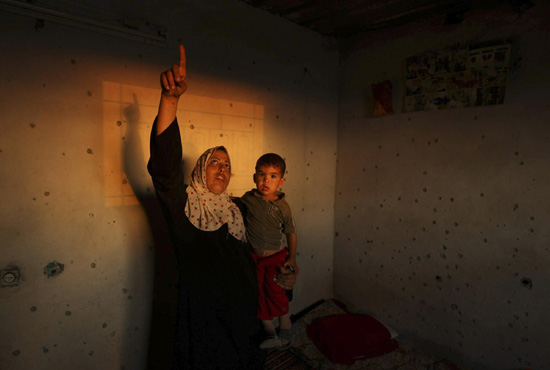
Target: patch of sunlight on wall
(128, 115)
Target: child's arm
(292, 241)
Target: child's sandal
(271, 340)
(285, 336)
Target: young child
(272, 233)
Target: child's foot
(271, 340)
(285, 336)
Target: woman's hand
(172, 81)
(291, 264)
(286, 278)
(173, 85)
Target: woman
(217, 326)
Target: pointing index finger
(183, 72)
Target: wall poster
(456, 78)
(382, 94)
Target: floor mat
(284, 360)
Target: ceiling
(344, 18)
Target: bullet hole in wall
(53, 269)
(526, 283)
(38, 24)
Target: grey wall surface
(75, 191)
(441, 216)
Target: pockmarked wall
(79, 219)
(441, 216)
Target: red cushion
(349, 337)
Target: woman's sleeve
(165, 158)
(165, 168)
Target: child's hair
(272, 159)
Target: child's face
(268, 179)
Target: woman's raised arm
(173, 85)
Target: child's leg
(271, 339)
(273, 299)
(268, 326)
(284, 322)
(285, 331)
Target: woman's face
(218, 172)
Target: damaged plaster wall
(79, 217)
(441, 216)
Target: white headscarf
(208, 211)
